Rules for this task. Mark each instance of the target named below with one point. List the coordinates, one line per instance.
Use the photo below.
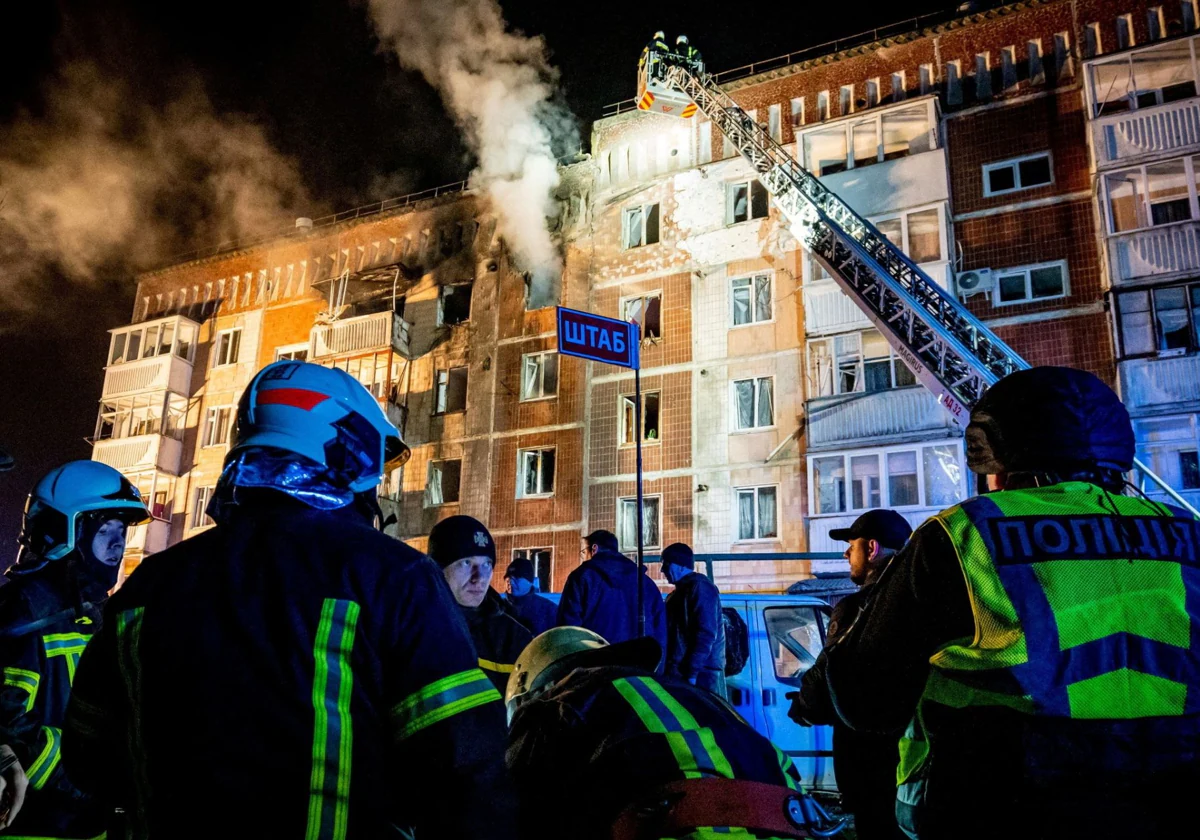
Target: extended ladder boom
(951, 352)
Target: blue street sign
(600, 339)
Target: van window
(796, 638)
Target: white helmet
(682, 39)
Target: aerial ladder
(950, 351)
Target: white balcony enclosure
(1146, 383)
(152, 356)
(860, 418)
(819, 539)
(827, 309)
(364, 333)
(149, 537)
(139, 452)
(1167, 249)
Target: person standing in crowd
(599, 744)
(1040, 641)
(464, 548)
(865, 762)
(695, 628)
(292, 671)
(601, 594)
(538, 614)
(72, 546)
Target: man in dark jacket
(292, 672)
(72, 545)
(865, 762)
(538, 614)
(601, 594)
(695, 628)
(464, 549)
(601, 748)
(1040, 640)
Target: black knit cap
(1049, 418)
(457, 537)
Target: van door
(742, 690)
(790, 636)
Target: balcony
(149, 537)
(894, 415)
(140, 452)
(828, 310)
(819, 528)
(359, 335)
(159, 373)
(1165, 249)
(1159, 131)
(1146, 383)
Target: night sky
(358, 127)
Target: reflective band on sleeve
(69, 646)
(26, 680)
(694, 747)
(489, 665)
(437, 701)
(43, 766)
(333, 686)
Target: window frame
(218, 339)
(1194, 344)
(880, 453)
(438, 388)
(733, 406)
(207, 441)
(545, 494)
(905, 233)
(749, 184)
(435, 465)
(1144, 207)
(876, 115)
(816, 376)
(756, 490)
(624, 301)
(284, 352)
(527, 553)
(645, 211)
(542, 395)
(199, 518)
(623, 430)
(1028, 270)
(752, 278)
(1015, 164)
(632, 500)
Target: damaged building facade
(1035, 159)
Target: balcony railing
(141, 452)
(355, 335)
(828, 310)
(846, 419)
(819, 528)
(149, 537)
(1166, 249)
(1151, 382)
(1147, 132)
(158, 373)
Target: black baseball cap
(522, 567)
(886, 527)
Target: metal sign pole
(641, 562)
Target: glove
(13, 782)
(797, 709)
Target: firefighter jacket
(45, 627)
(498, 636)
(292, 673)
(605, 737)
(1042, 646)
(695, 629)
(538, 614)
(600, 596)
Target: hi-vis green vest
(1087, 605)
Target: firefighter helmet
(66, 494)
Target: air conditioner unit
(975, 281)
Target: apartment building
(1035, 159)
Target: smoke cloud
(498, 86)
(100, 184)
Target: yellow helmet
(560, 650)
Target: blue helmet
(67, 493)
(322, 414)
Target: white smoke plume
(498, 86)
(101, 184)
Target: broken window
(646, 311)
(227, 347)
(535, 472)
(650, 418)
(639, 226)
(450, 391)
(445, 477)
(745, 200)
(454, 304)
(217, 426)
(627, 522)
(539, 375)
(751, 299)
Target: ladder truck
(950, 351)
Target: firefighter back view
(602, 749)
(292, 672)
(72, 544)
